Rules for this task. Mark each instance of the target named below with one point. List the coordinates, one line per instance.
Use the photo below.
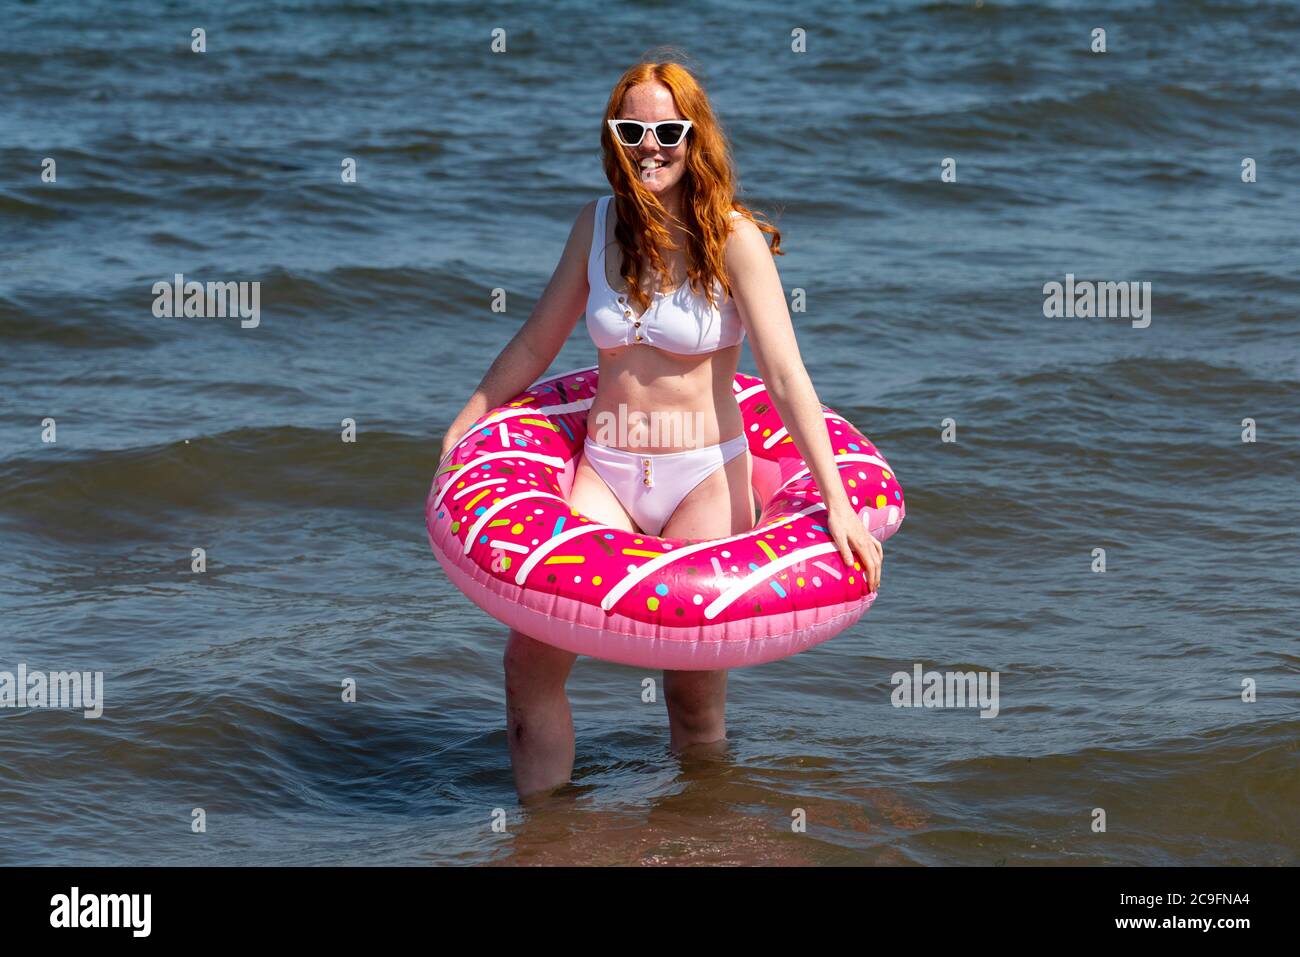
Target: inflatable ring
(501, 526)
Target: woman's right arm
(534, 347)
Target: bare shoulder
(744, 231)
(745, 239)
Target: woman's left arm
(756, 288)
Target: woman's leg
(697, 706)
(719, 506)
(539, 724)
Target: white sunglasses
(668, 133)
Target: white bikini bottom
(652, 485)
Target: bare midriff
(666, 402)
(691, 396)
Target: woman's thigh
(590, 496)
(721, 505)
(529, 661)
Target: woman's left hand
(852, 538)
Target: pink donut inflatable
(501, 527)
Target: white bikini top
(680, 321)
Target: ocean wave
(48, 321)
(1132, 113)
(130, 492)
(22, 207)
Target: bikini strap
(597, 234)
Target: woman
(672, 275)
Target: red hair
(708, 188)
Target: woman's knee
(696, 699)
(532, 664)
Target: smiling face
(660, 168)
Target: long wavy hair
(708, 189)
